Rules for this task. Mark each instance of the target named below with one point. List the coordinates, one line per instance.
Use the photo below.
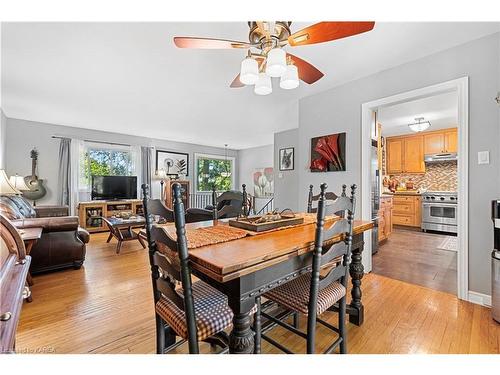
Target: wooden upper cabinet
(434, 143)
(451, 140)
(394, 155)
(414, 154)
(440, 141)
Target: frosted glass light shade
(290, 79)
(18, 182)
(276, 62)
(6, 187)
(249, 73)
(161, 174)
(419, 126)
(263, 86)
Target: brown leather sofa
(63, 241)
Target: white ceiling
(130, 78)
(440, 110)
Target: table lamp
(161, 175)
(18, 183)
(6, 187)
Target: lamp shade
(5, 186)
(161, 174)
(263, 86)
(290, 79)
(276, 62)
(420, 125)
(249, 73)
(18, 182)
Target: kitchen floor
(414, 257)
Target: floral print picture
(263, 182)
(328, 153)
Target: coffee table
(121, 229)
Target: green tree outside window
(214, 172)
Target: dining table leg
(241, 338)
(356, 309)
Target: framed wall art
(287, 159)
(328, 153)
(174, 163)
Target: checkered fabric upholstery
(211, 310)
(295, 294)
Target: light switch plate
(280, 175)
(483, 157)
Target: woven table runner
(200, 237)
(223, 232)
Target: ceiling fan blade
(236, 82)
(327, 31)
(307, 72)
(208, 43)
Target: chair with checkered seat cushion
(212, 313)
(294, 295)
(196, 311)
(317, 291)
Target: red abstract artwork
(328, 153)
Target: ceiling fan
(266, 57)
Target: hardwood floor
(106, 307)
(413, 256)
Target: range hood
(445, 156)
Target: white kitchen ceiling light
(290, 79)
(249, 73)
(263, 85)
(420, 125)
(276, 62)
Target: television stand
(92, 212)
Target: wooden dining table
(245, 268)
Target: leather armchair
(63, 241)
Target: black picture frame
(281, 154)
(166, 152)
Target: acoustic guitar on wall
(37, 190)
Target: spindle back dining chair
(318, 291)
(194, 311)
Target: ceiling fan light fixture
(249, 73)
(290, 79)
(276, 62)
(263, 86)
(420, 125)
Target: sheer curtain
(70, 154)
(146, 168)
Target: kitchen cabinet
(394, 155)
(451, 141)
(407, 210)
(441, 141)
(405, 154)
(385, 218)
(414, 154)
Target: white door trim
(461, 87)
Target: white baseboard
(479, 298)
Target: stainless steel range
(439, 211)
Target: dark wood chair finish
(332, 257)
(311, 198)
(228, 204)
(167, 272)
(157, 208)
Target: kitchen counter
(402, 192)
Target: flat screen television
(114, 187)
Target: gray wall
(286, 182)
(250, 159)
(23, 135)
(3, 127)
(339, 109)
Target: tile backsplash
(437, 177)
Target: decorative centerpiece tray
(265, 222)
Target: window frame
(106, 147)
(198, 156)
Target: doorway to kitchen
(418, 142)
